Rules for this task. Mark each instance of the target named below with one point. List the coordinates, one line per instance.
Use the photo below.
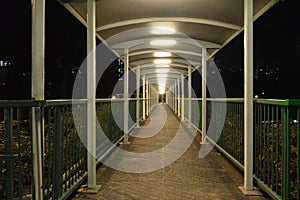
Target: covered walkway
(161, 46)
(189, 177)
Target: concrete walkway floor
(189, 177)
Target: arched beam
(174, 60)
(138, 53)
(183, 40)
(169, 19)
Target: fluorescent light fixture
(163, 42)
(162, 54)
(162, 61)
(161, 81)
(162, 90)
(162, 70)
(162, 31)
(162, 65)
(161, 75)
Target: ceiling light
(162, 75)
(162, 90)
(162, 61)
(162, 70)
(162, 31)
(162, 42)
(162, 54)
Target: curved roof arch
(208, 24)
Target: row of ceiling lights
(162, 64)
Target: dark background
(276, 54)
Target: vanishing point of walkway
(189, 177)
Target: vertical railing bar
(69, 180)
(72, 144)
(268, 145)
(264, 144)
(255, 138)
(288, 152)
(272, 157)
(76, 147)
(67, 162)
(31, 148)
(57, 154)
(283, 163)
(20, 186)
(298, 153)
(49, 150)
(277, 150)
(260, 141)
(8, 119)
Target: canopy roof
(192, 24)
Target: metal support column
(147, 97)
(178, 96)
(204, 75)
(91, 89)
(182, 97)
(248, 94)
(144, 97)
(126, 101)
(175, 98)
(189, 96)
(37, 92)
(138, 76)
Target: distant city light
(256, 96)
(4, 63)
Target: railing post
(138, 76)
(37, 92)
(204, 75)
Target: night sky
(276, 52)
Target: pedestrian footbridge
(162, 139)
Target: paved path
(189, 177)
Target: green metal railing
(64, 154)
(276, 143)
